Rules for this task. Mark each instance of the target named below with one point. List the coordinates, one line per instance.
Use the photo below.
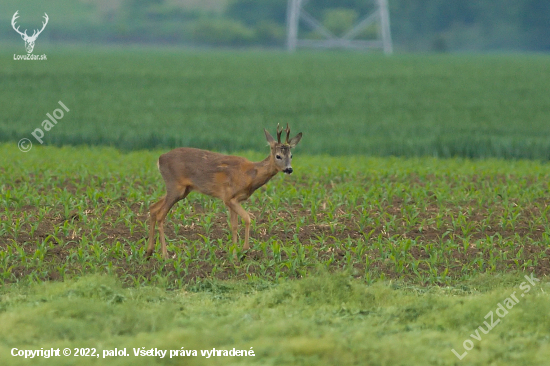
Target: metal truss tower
(380, 16)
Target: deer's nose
(288, 171)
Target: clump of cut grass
(321, 320)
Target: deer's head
(29, 40)
(280, 152)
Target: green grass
(320, 320)
(345, 103)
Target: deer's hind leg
(234, 222)
(158, 214)
(153, 210)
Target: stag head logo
(29, 40)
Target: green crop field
(358, 258)
(350, 103)
(424, 220)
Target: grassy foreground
(320, 320)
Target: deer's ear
(269, 138)
(294, 141)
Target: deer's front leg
(235, 206)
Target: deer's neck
(265, 170)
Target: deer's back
(208, 172)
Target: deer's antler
(15, 16)
(279, 133)
(287, 133)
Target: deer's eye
(278, 157)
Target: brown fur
(232, 179)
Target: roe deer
(230, 178)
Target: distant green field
(345, 103)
